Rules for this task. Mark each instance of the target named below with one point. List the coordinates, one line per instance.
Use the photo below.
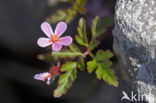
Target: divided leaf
(93, 44)
(104, 71)
(66, 53)
(105, 22)
(79, 6)
(68, 66)
(98, 27)
(103, 55)
(91, 66)
(107, 74)
(74, 48)
(81, 64)
(105, 63)
(82, 28)
(65, 80)
(101, 65)
(81, 38)
(71, 15)
(94, 25)
(80, 41)
(66, 15)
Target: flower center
(54, 38)
(46, 77)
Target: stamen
(54, 38)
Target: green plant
(99, 62)
(68, 14)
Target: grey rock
(135, 44)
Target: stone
(135, 44)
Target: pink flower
(54, 37)
(47, 76)
(43, 77)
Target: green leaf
(93, 26)
(65, 82)
(68, 66)
(74, 48)
(101, 65)
(66, 15)
(99, 72)
(60, 15)
(66, 53)
(79, 6)
(81, 38)
(105, 22)
(71, 15)
(95, 33)
(93, 44)
(107, 75)
(105, 63)
(80, 41)
(81, 64)
(81, 9)
(99, 26)
(103, 55)
(82, 30)
(91, 66)
(81, 27)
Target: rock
(135, 44)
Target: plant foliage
(66, 79)
(68, 14)
(99, 64)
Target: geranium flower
(54, 37)
(47, 76)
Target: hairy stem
(88, 52)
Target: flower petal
(48, 81)
(56, 46)
(67, 40)
(42, 76)
(60, 28)
(43, 42)
(46, 28)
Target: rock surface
(135, 44)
